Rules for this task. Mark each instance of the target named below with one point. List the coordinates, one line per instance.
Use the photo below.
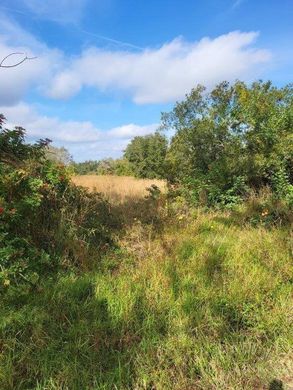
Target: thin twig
(26, 58)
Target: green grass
(208, 306)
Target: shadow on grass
(69, 336)
(65, 337)
(146, 210)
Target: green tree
(234, 137)
(147, 154)
(85, 167)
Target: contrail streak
(116, 41)
(102, 37)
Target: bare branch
(26, 58)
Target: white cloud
(15, 82)
(57, 10)
(131, 130)
(82, 138)
(163, 74)
(153, 75)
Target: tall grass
(118, 189)
(207, 305)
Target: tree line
(227, 142)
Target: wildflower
(264, 213)
(1, 210)
(6, 282)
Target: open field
(118, 188)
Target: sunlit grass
(118, 188)
(205, 306)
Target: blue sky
(106, 69)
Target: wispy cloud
(70, 19)
(237, 3)
(63, 11)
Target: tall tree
(235, 133)
(147, 154)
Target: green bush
(45, 221)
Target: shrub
(45, 221)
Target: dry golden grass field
(118, 188)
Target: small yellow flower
(6, 282)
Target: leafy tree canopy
(232, 138)
(147, 154)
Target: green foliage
(118, 167)
(108, 166)
(230, 139)
(154, 192)
(122, 167)
(146, 156)
(85, 167)
(282, 186)
(45, 221)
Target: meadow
(118, 189)
(204, 303)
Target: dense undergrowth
(46, 223)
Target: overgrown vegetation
(108, 166)
(231, 141)
(190, 289)
(46, 222)
(206, 306)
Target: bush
(46, 222)
(266, 209)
